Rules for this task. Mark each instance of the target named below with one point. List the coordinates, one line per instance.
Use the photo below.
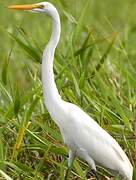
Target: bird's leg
(96, 174)
(70, 162)
(92, 164)
(84, 155)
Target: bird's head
(42, 7)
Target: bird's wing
(95, 140)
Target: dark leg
(96, 174)
(93, 172)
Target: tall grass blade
(31, 51)
(16, 100)
(24, 125)
(104, 56)
(4, 72)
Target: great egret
(83, 136)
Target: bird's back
(82, 132)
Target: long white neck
(52, 97)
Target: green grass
(94, 68)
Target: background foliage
(94, 68)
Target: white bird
(83, 136)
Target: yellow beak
(25, 7)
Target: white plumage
(83, 136)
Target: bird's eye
(41, 6)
